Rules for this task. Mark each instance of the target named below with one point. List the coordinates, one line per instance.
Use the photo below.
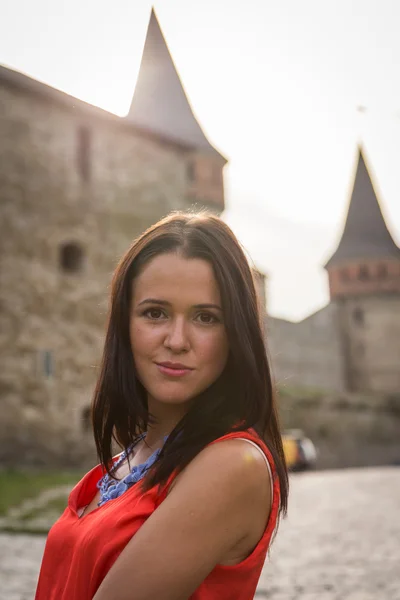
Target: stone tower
(77, 185)
(364, 281)
(160, 105)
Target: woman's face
(177, 329)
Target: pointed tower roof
(365, 234)
(159, 102)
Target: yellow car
(300, 452)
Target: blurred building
(77, 185)
(353, 344)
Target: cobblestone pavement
(341, 541)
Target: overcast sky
(275, 85)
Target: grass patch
(54, 506)
(17, 485)
(301, 393)
(17, 530)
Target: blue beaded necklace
(111, 488)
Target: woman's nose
(177, 339)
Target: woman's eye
(154, 313)
(206, 318)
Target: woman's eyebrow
(166, 303)
(208, 306)
(154, 301)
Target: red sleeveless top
(80, 551)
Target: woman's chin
(170, 397)
(170, 400)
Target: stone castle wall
(65, 177)
(309, 353)
(378, 276)
(348, 430)
(352, 344)
(70, 176)
(370, 329)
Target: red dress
(79, 552)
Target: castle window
(358, 316)
(382, 271)
(83, 152)
(86, 419)
(46, 363)
(191, 172)
(71, 257)
(363, 273)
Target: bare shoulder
(235, 466)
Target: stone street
(341, 541)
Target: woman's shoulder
(243, 454)
(243, 441)
(232, 465)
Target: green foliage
(55, 506)
(301, 393)
(17, 485)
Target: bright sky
(275, 85)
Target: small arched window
(71, 257)
(45, 364)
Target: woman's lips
(173, 370)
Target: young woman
(189, 507)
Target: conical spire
(365, 235)
(159, 102)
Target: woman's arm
(220, 499)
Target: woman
(189, 508)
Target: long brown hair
(243, 396)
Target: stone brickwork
(68, 175)
(307, 354)
(348, 430)
(352, 344)
(205, 180)
(370, 329)
(359, 278)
